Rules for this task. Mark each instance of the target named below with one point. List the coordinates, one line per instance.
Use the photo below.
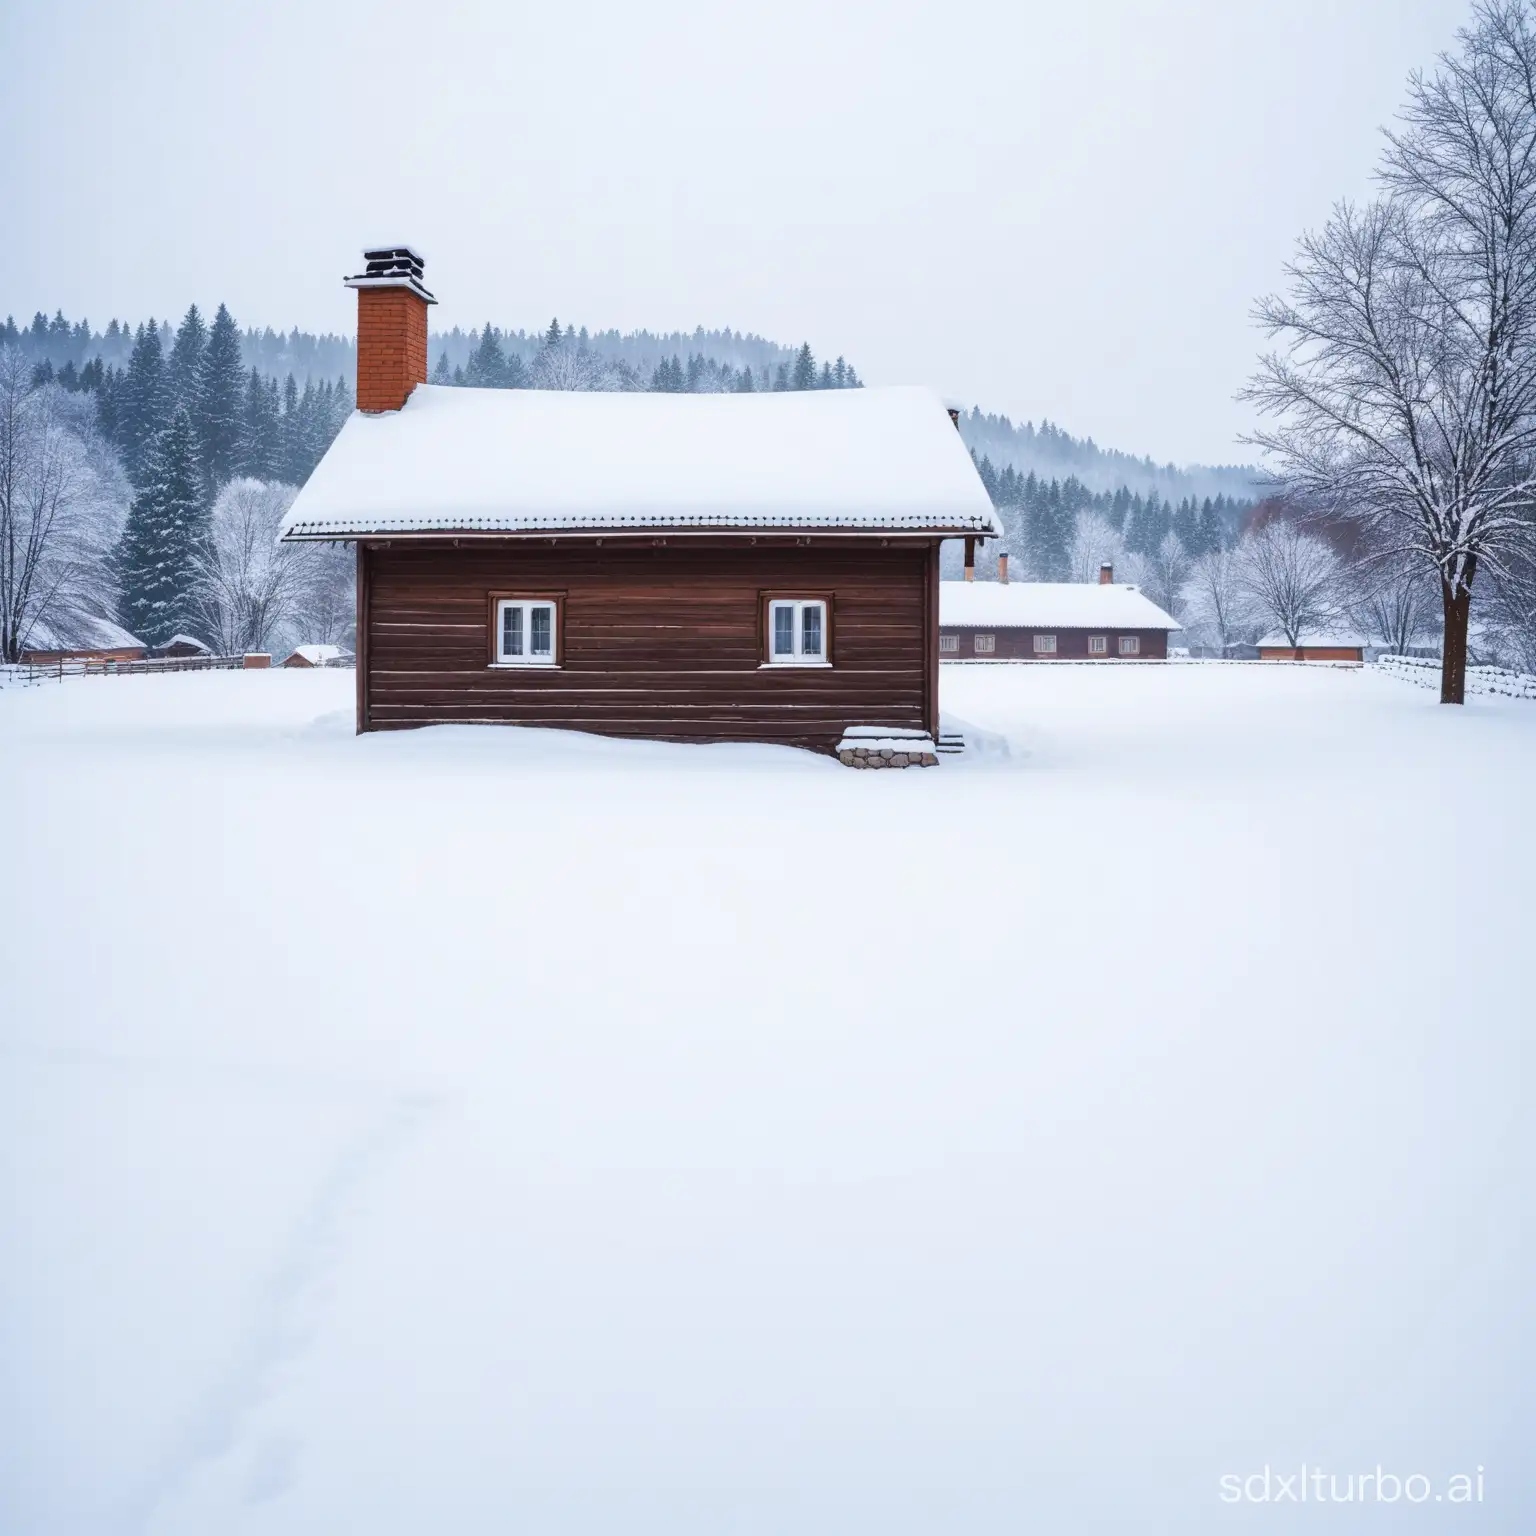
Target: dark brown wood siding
(1311, 653)
(1071, 644)
(656, 639)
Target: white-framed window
(985, 644)
(1130, 645)
(949, 643)
(1045, 645)
(526, 632)
(1098, 645)
(797, 632)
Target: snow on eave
(486, 462)
(1313, 641)
(79, 632)
(1050, 605)
(490, 528)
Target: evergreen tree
(1119, 508)
(1053, 535)
(744, 382)
(669, 379)
(221, 392)
(781, 377)
(487, 367)
(259, 426)
(166, 529)
(183, 371)
(552, 335)
(440, 373)
(141, 409)
(291, 468)
(1186, 526)
(804, 376)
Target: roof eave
(348, 533)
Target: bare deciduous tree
(1394, 600)
(326, 613)
(247, 583)
(1291, 579)
(1405, 393)
(57, 507)
(1217, 605)
(1094, 543)
(1163, 574)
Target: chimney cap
(392, 266)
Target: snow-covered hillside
(477, 1130)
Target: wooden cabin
(688, 567)
(1314, 646)
(1006, 620)
(183, 648)
(318, 656)
(80, 637)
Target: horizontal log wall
(657, 640)
(1071, 644)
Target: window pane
(810, 629)
(512, 630)
(541, 630)
(783, 630)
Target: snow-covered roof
(1050, 605)
(79, 632)
(318, 655)
(1323, 638)
(191, 640)
(509, 460)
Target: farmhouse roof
(1049, 605)
(510, 460)
(318, 655)
(79, 632)
(1322, 638)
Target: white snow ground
(474, 1130)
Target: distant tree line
(568, 359)
(1053, 453)
(1043, 519)
(709, 361)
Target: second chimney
(391, 327)
(1002, 567)
(1106, 574)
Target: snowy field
(485, 1131)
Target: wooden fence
(48, 671)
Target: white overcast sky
(1050, 207)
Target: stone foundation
(873, 746)
(885, 757)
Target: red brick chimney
(1002, 567)
(1106, 574)
(391, 327)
